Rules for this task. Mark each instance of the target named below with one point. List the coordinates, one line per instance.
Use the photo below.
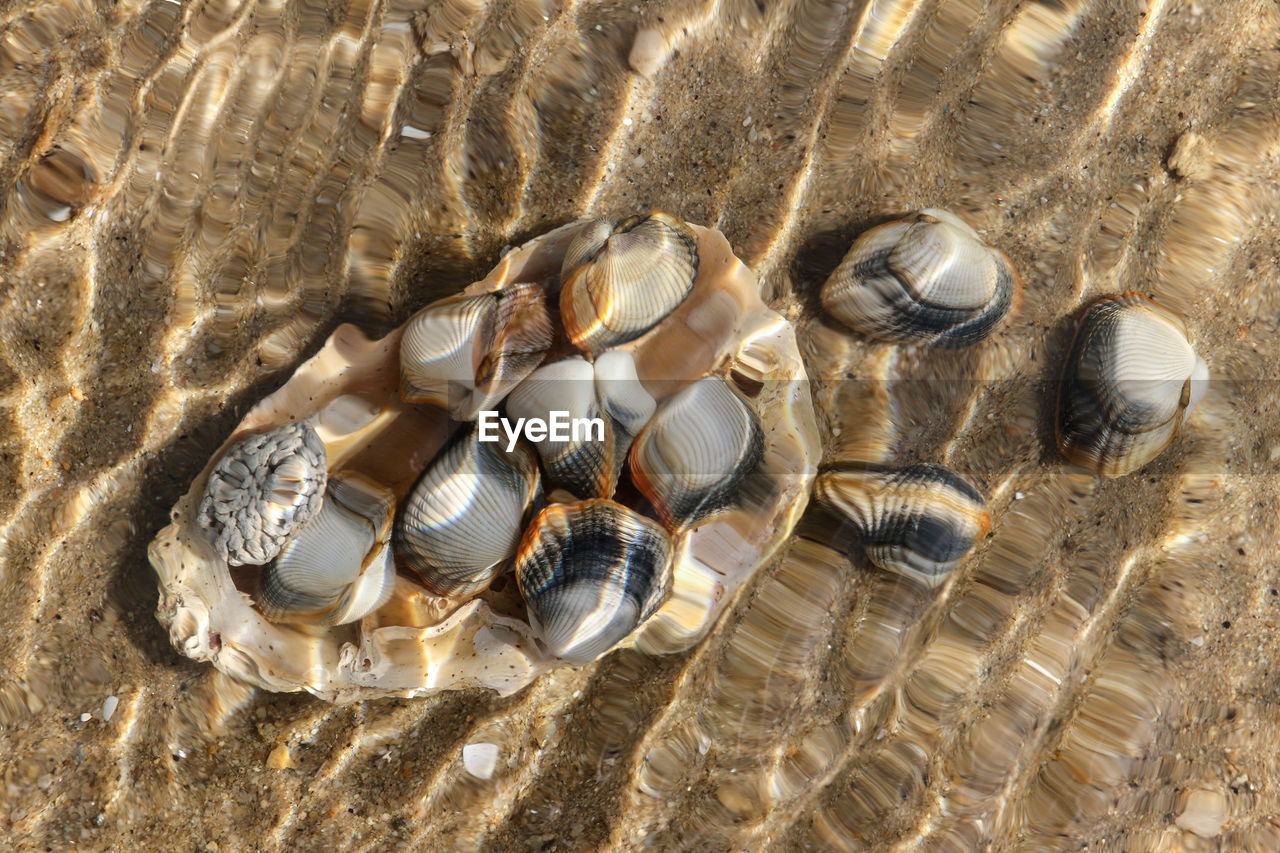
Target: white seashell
(261, 492)
(338, 568)
(620, 281)
(921, 520)
(465, 353)
(462, 521)
(1130, 382)
(590, 573)
(622, 396)
(584, 464)
(927, 279)
(695, 452)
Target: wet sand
(192, 196)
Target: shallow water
(192, 196)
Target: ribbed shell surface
(922, 519)
(695, 451)
(484, 344)
(927, 279)
(621, 282)
(1129, 383)
(584, 466)
(590, 573)
(463, 519)
(313, 576)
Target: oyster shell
(926, 279)
(418, 641)
(1129, 384)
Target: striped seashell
(339, 567)
(465, 353)
(619, 281)
(261, 492)
(926, 279)
(695, 452)
(591, 573)
(921, 520)
(462, 520)
(583, 463)
(1130, 382)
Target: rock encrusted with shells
(354, 535)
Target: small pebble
(648, 52)
(109, 707)
(480, 759)
(279, 759)
(1203, 813)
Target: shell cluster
(520, 477)
(1129, 383)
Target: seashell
(1130, 382)
(920, 520)
(622, 396)
(583, 462)
(619, 281)
(261, 492)
(339, 567)
(465, 353)
(927, 279)
(590, 573)
(694, 454)
(462, 520)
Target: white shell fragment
(921, 520)
(464, 518)
(338, 567)
(926, 279)
(1130, 382)
(465, 353)
(262, 490)
(401, 635)
(590, 573)
(695, 452)
(621, 280)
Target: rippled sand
(193, 195)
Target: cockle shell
(621, 280)
(696, 450)
(463, 519)
(921, 520)
(262, 491)
(1130, 382)
(584, 463)
(465, 353)
(338, 566)
(590, 573)
(418, 642)
(926, 279)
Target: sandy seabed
(193, 195)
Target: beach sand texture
(193, 195)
